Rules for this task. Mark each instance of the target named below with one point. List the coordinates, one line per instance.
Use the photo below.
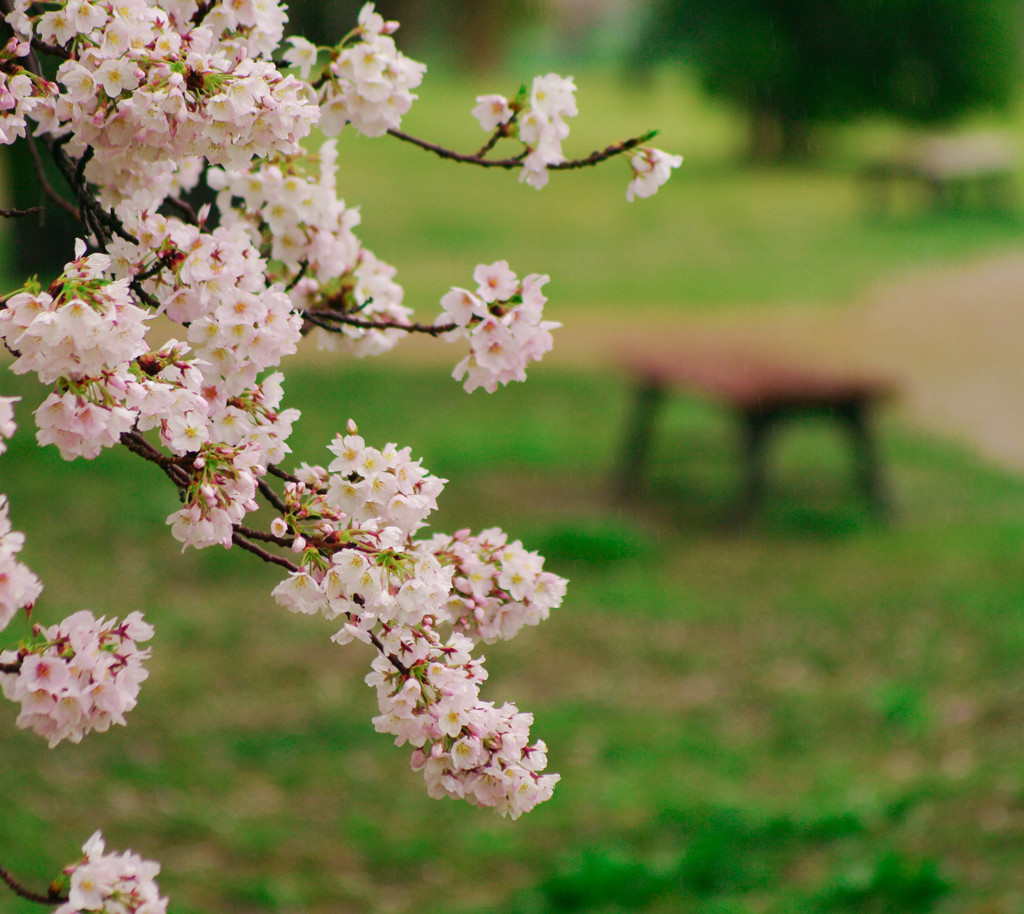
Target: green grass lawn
(808, 713)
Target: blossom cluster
(150, 91)
(307, 231)
(651, 168)
(398, 593)
(22, 94)
(497, 586)
(83, 324)
(540, 122)
(83, 674)
(19, 587)
(370, 84)
(503, 320)
(352, 523)
(465, 747)
(108, 883)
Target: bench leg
(635, 455)
(756, 427)
(867, 465)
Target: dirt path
(952, 340)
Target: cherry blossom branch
(594, 158)
(302, 271)
(328, 319)
(47, 187)
(252, 534)
(138, 445)
(52, 50)
(391, 658)
(274, 470)
(52, 896)
(182, 208)
(13, 213)
(602, 155)
(240, 540)
(102, 223)
(271, 496)
(500, 132)
(11, 667)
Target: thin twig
(608, 152)
(274, 470)
(183, 209)
(328, 318)
(476, 159)
(395, 662)
(501, 131)
(240, 540)
(452, 155)
(51, 49)
(141, 447)
(14, 213)
(294, 281)
(271, 496)
(51, 897)
(250, 533)
(102, 223)
(37, 164)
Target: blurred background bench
(958, 171)
(764, 392)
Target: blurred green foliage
(791, 64)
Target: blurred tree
(792, 64)
(469, 34)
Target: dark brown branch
(11, 667)
(271, 496)
(455, 156)
(328, 319)
(240, 540)
(294, 281)
(142, 448)
(394, 661)
(14, 213)
(476, 159)
(182, 208)
(608, 152)
(150, 301)
(51, 49)
(37, 164)
(250, 533)
(52, 896)
(103, 224)
(274, 470)
(501, 131)
(158, 266)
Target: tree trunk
(774, 137)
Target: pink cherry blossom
(83, 674)
(108, 883)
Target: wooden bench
(764, 393)
(951, 170)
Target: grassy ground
(811, 712)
